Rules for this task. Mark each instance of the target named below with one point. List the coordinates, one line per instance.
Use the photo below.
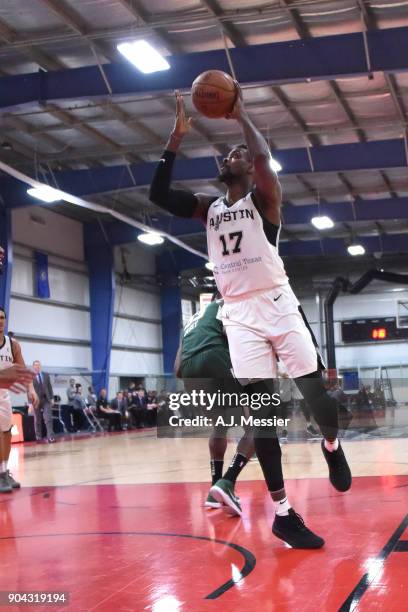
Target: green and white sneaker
(211, 502)
(12, 481)
(223, 492)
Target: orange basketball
(214, 93)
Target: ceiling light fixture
(151, 238)
(45, 193)
(323, 222)
(356, 249)
(142, 55)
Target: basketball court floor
(117, 522)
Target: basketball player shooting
(260, 313)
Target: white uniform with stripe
(6, 361)
(261, 312)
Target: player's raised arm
(177, 201)
(268, 190)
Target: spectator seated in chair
(81, 409)
(91, 398)
(104, 411)
(152, 406)
(120, 405)
(138, 408)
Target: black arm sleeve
(176, 201)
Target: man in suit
(121, 405)
(138, 408)
(43, 388)
(118, 403)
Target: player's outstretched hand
(182, 124)
(238, 110)
(16, 376)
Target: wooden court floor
(118, 522)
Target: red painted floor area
(153, 547)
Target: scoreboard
(372, 330)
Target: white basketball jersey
(243, 246)
(6, 361)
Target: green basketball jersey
(203, 331)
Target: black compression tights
(267, 448)
(266, 442)
(322, 406)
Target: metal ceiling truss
(294, 61)
(372, 155)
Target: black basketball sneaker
(339, 471)
(292, 530)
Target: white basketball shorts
(5, 413)
(264, 325)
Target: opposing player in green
(204, 363)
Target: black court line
(357, 593)
(402, 546)
(249, 558)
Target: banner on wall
(41, 275)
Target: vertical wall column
(99, 255)
(168, 266)
(171, 325)
(7, 244)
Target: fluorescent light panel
(323, 222)
(142, 55)
(356, 249)
(151, 238)
(45, 193)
